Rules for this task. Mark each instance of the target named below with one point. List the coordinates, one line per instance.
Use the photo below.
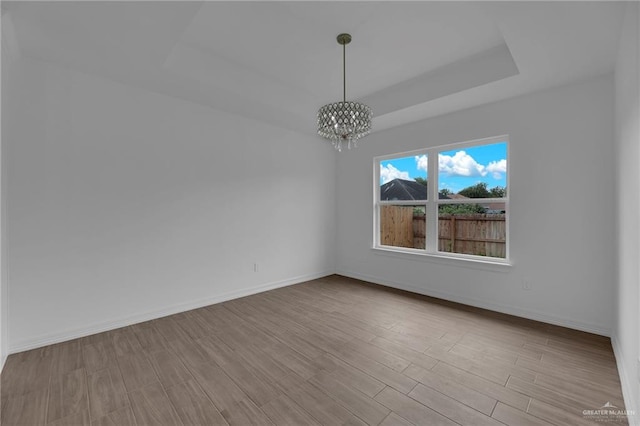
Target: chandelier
(343, 123)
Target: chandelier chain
(344, 72)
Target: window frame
(433, 202)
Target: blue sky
(458, 168)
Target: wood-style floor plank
(68, 395)
(557, 416)
(407, 353)
(66, 357)
(169, 368)
(486, 387)
(193, 406)
(387, 358)
(332, 351)
(151, 406)
(410, 409)
(245, 412)
(380, 372)
(121, 417)
(150, 338)
(510, 416)
(484, 369)
(369, 410)
(268, 368)
(320, 406)
(137, 371)
(284, 411)
(395, 420)
(451, 408)
(260, 389)
(25, 372)
(81, 418)
(106, 392)
(295, 361)
(189, 351)
(26, 409)
(98, 355)
(573, 403)
(567, 372)
(223, 391)
(125, 342)
(354, 377)
(168, 328)
(587, 390)
(453, 389)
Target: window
(448, 200)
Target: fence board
(477, 234)
(396, 226)
(419, 231)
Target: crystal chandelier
(343, 123)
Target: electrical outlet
(527, 284)
(255, 267)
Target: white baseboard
(485, 304)
(49, 339)
(626, 380)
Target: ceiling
(279, 62)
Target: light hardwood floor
(333, 351)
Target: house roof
(403, 190)
(400, 189)
(454, 196)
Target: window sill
(493, 265)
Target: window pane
(403, 178)
(403, 226)
(473, 172)
(478, 229)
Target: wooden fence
(477, 234)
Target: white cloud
(461, 164)
(421, 162)
(497, 168)
(389, 173)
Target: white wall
(9, 51)
(125, 204)
(3, 311)
(562, 220)
(626, 340)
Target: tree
(498, 192)
(460, 209)
(478, 190)
(421, 181)
(444, 192)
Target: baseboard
(519, 312)
(626, 380)
(32, 343)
